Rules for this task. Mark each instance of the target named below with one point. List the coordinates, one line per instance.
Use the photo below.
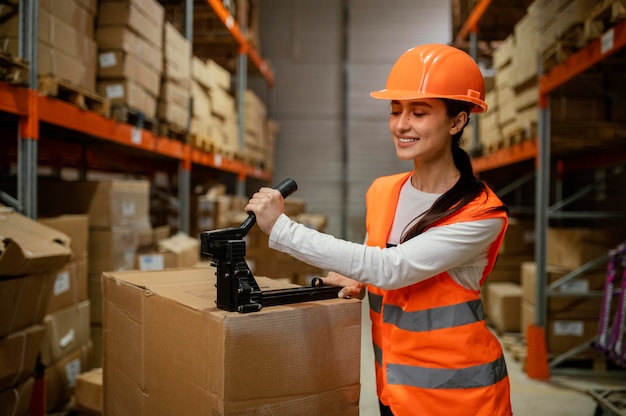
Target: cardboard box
(584, 306)
(88, 391)
(69, 286)
(28, 247)
(164, 325)
(519, 238)
(25, 345)
(504, 300)
(571, 248)
(117, 64)
(145, 17)
(112, 249)
(62, 374)
(179, 250)
(67, 330)
(16, 400)
(564, 331)
(24, 301)
(108, 203)
(123, 38)
(129, 93)
(77, 229)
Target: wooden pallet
(132, 116)
(74, 94)
(602, 17)
(13, 70)
(173, 131)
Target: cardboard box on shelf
(77, 229)
(145, 17)
(117, 64)
(69, 286)
(123, 38)
(112, 249)
(585, 305)
(24, 344)
(24, 301)
(66, 330)
(180, 250)
(571, 248)
(227, 363)
(29, 247)
(108, 203)
(16, 400)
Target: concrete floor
(529, 397)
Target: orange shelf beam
(231, 24)
(66, 115)
(13, 99)
(472, 21)
(613, 40)
(525, 150)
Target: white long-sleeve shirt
(460, 249)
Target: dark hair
(465, 190)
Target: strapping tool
(237, 289)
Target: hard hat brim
(479, 105)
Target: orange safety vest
(434, 355)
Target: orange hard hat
(435, 71)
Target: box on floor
(168, 349)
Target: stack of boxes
(66, 49)
(30, 257)
(67, 349)
(173, 106)
(130, 60)
(571, 319)
(255, 134)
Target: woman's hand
(351, 288)
(267, 205)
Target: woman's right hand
(351, 288)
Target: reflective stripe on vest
(435, 318)
(443, 378)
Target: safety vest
(434, 355)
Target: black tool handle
(286, 188)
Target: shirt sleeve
(460, 246)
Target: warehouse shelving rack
(36, 114)
(538, 151)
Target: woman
(433, 235)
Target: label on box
(72, 369)
(107, 59)
(67, 339)
(128, 208)
(61, 283)
(151, 262)
(114, 91)
(569, 328)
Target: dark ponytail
(467, 188)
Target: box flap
(28, 247)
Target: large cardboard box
(69, 286)
(28, 247)
(145, 17)
(19, 354)
(88, 392)
(61, 376)
(168, 349)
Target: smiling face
(421, 129)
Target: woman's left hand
(267, 204)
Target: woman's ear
(459, 122)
